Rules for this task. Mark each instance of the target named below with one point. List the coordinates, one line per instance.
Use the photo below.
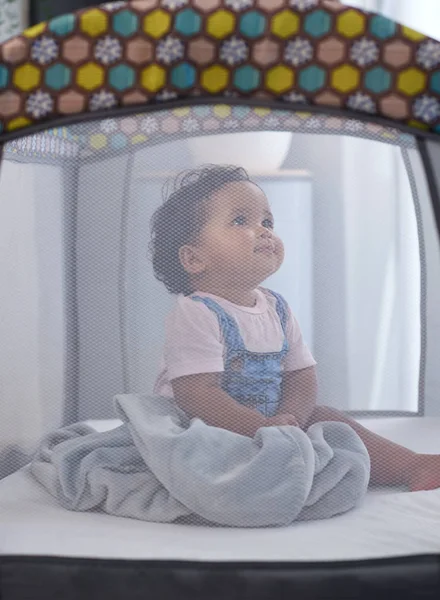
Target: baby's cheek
(279, 249)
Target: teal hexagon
(247, 78)
(183, 76)
(188, 22)
(252, 24)
(312, 79)
(318, 23)
(240, 112)
(121, 77)
(4, 76)
(378, 80)
(382, 28)
(58, 76)
(62, 25)
(125, 23)
(434, 82)
(118, 141)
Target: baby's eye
(268, 223)
(241, 220)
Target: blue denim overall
(253, 379)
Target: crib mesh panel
(83, 317)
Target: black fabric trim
(41, 578)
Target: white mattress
(390, 523)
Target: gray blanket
(159, 466)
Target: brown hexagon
(71, 102)
(265, 53)
(9, 104)
(201, 51)
(331, 51)
(134, 98)
(15, 50)
(397, 54)
(270, 5)
(76, 49)
(143, 5)
(394, 106)
(170, 125)
(329, 99)
(334, 5)
(206, 5)
(139, 51)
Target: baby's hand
(425, 474)
(281, 420)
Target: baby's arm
(201, 396)
(299, 393)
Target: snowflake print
(174, 4)
(169, 50)
(364, 52)
(234, 51)
(44, 50)
(427, 109)
(428, 55)
(108, 50)
(190, 125)
(108, 126)
(39, 104)
(354, 126)
(165, 95)
(149, 125)
(112, 6)
(102, 100)
(303, 5)
(298, 52)
(295, 97)
(362, 102)
(272, 122)
(239, 4)
(230, 124)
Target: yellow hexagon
(34, 31)
(98, 141)
(18, 123)
(222, 111)
(413, 35)
(157, 23)
(27, 77)
(285, 24)
(345, 79)
(411, 82)
(153, 78)
(280, 79)
(93, 22)
(351, 24)
(221, 24)
(215, 78)
(90, 76)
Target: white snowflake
(272, 122)
(364, 52)
(102, 100)
(174, 4)
(295, 97)
(354, 126)
(108, 50)
(169, 50)
(112, 6)
(428, 55)
(190, 125)
(313, 123)
(149, 125)
(165, 95)
(230, 124)
(44, 50)
(298, 52)
(361, 102)
(108, 126)
(39, 104)
(239, 4)
(302, 5)
(427, 109)
(230, 94)
(234, 51)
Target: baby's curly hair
(180, 218)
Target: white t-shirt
(194, 342)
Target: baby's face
(238, 242)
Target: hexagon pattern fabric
(317, 52)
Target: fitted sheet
(389, 523)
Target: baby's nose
(264, 232)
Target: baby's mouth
(267, 248)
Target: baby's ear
(191, 260)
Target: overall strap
(282, 310)
(228, 325)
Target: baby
(234, 354)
